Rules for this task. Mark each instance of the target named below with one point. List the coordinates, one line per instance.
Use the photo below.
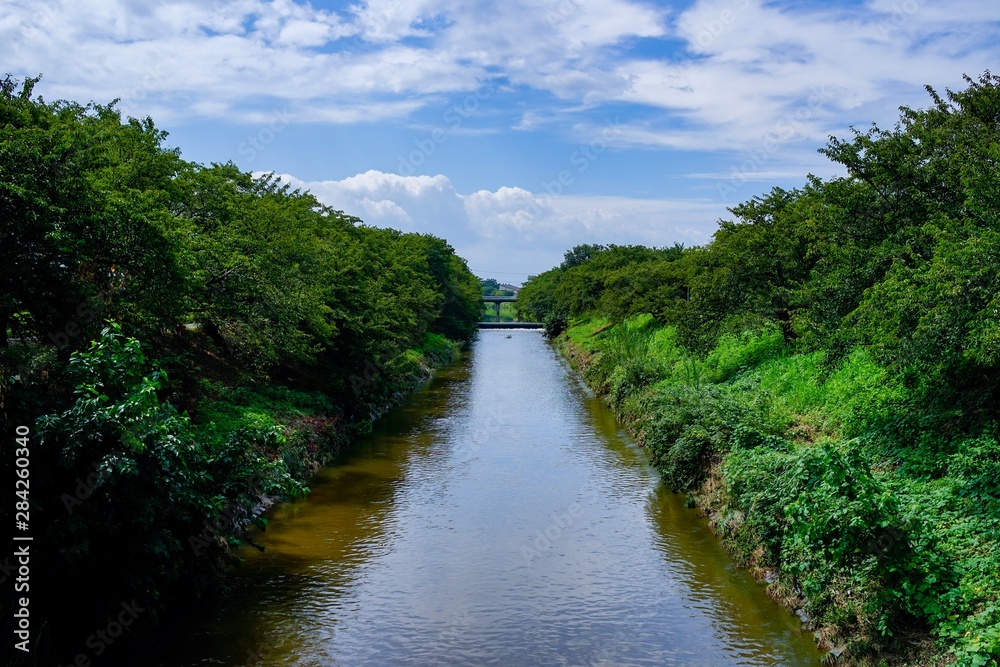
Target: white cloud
(745, 63)
(414, 203)
(246, 50)
(512, 227)
(763, 82)
(758, 63)
(349, 114)
(305, 33)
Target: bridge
(496, 301)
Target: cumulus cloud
(511, 227)
(243, 51)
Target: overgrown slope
(825, 375)
(181, 342)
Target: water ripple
(500, 518)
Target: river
(500, 517)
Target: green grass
(582, 333)
(230, 408)
(887, 521)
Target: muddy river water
(500, 517)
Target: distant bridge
(496, 301)
(499, 299)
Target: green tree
(580, 254)
(82, 197)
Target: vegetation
(823, 379)
(184, 342)
(490, 287)
(508, 312)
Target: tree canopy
(181, 340)
(104, 222)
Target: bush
(632, 376)
(555, 325)
(754, 489)
(977, 465)
(685, 431)
(139, 526)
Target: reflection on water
(501, 517)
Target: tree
(580, 254)
(82, 198)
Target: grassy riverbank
(796, 461)
(823, 379)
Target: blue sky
(515, 129)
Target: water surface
(500, 517)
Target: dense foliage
(825, 376)
(184, 340)
(490, 287)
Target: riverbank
(786, 456)
(163, 515)
(311, 428)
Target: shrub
(977, 465)
(685, 431)
(555, 324)
(632, 376)
(154, 487)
